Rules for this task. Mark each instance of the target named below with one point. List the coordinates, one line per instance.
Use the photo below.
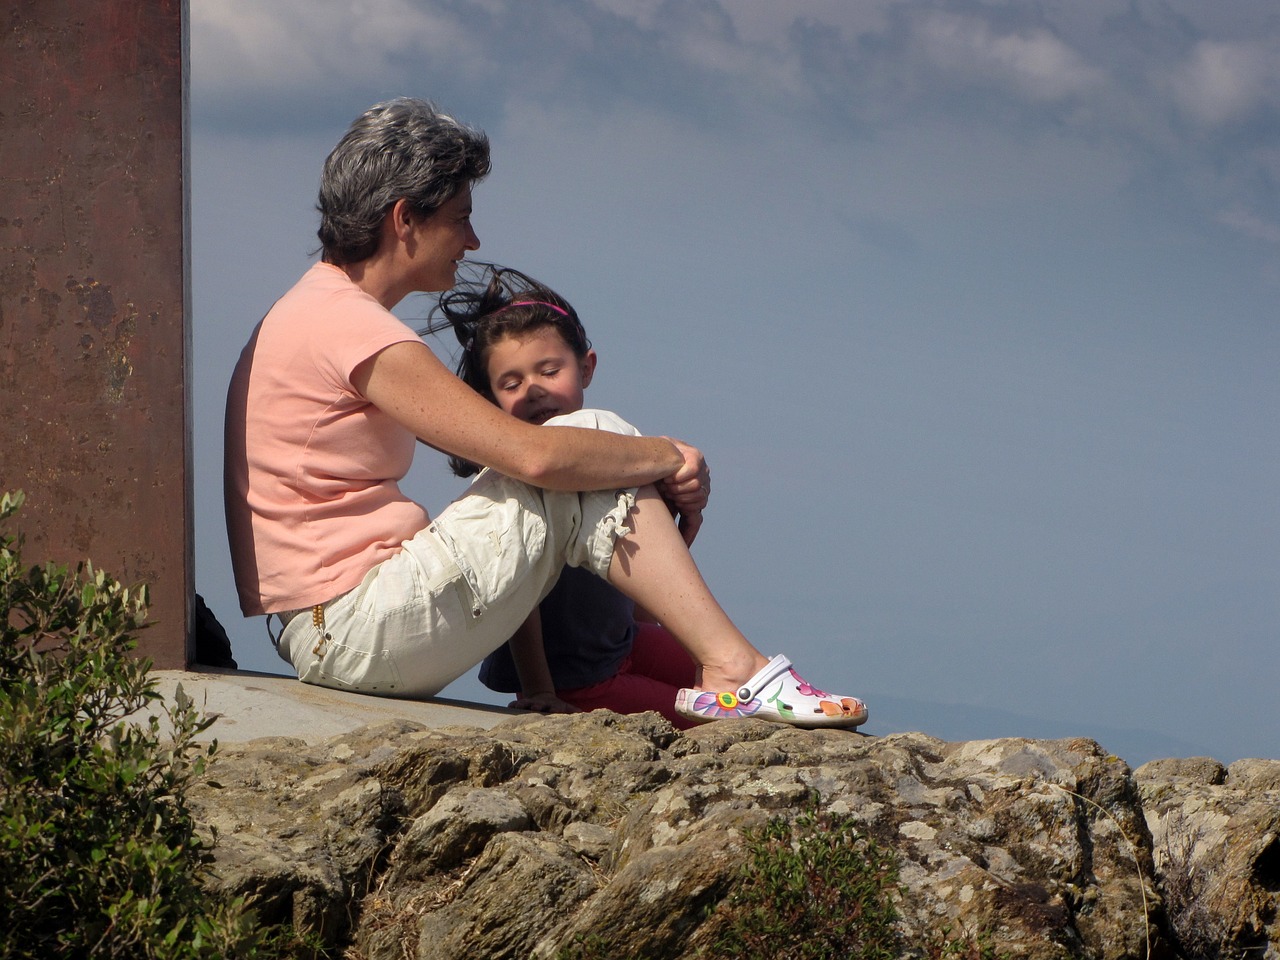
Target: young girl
(586, 646)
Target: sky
(972, 307)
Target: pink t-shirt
(312, 468)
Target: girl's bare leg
(652, 566)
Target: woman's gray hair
(402, 148)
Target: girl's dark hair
(497, 303)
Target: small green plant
(813, 888)
(99, 855)
(585, 947)
(945, 943)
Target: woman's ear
(391, 231)
(588, 368)
(402, 219)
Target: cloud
(844, 66)
(1224, 82)
(274, 62)
(1250, 224)
(1184, 96)
(1028, 63)
(720, 59)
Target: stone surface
(618, 836)
(250, 706)
(1216, 844)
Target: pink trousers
(647, 680)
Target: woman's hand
(688, 489)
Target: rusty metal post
(94, 298)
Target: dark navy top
(588, 628)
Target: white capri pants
(459, 588)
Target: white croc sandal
(775, 693)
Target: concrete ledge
(251, 705)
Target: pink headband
(536, 303)
(519, 303)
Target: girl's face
(537, 376)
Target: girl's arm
(410, 384)
(641, 615)
(690, 523)
(537, 688)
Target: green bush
(813, 888)
(99, 856)
(816, 888)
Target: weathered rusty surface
(94, 305)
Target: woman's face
(537, 376)
(442, 240)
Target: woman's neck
(373, 277)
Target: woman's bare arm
(410, 384)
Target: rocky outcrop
(606, 835)
(1216, 841)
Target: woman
(326, 405)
